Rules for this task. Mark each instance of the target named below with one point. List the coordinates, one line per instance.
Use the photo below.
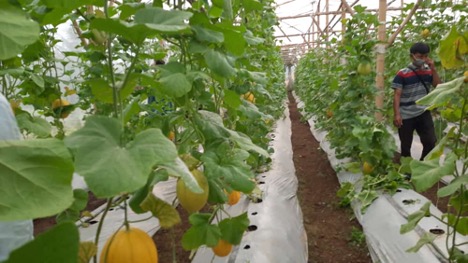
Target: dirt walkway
(333, 235)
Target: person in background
(13, 234)
(410, 84)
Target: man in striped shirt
(411, 84)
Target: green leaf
(414, 218)
(454, 186)
(426, 173)
(252, 5)
(442, 94)
(164, 212)
(219, 64)
(458, 201)
(59, 244)
(251, 39)
(228, 165)
(101, 90)
(87, 251)
(212, 127)
(40, 172)
(16, 31)
(232, 229)
(232, 99)
(166, 21)
(452, 48)
(131, 109)
(438, 150)
(202, 232)
(426, 239)
(111, 168)
(234, 42)
(207, 35)
(461, 223)
(133, 32)
(35, 125)
(228, 12)
(38, 80)
(244, 142)
(175, 85)
(217, 194)
(459, 255)
(81, 199)
(140, 195)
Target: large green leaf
(229, 165)
(428, 172)
(244, 142)
(452, 48)
(175, 85)
(441, 95)
(234, 42)
(252, 5)
(218, 63)
(111, 168)
(454, 186)
(232, 99)
(207, 35)
(202, 232)
(213, 128)
(101, 90)
(36, 178)
(414, 218)
(165, 21)
(136, 33)
(16, 31)
(232, 229)
(59, 244)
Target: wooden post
(327, 21)
(343, 25)
(380, 61)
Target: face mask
(418, 62)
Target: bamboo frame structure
(317, 34)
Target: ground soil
(333, 233)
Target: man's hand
(429, 62)
(397, 121)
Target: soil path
(333, 233)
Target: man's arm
(435, 76)
(397, 121)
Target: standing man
(410, 84)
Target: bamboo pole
(343, 23)
(407, 19)
(380, 67)
(347, 7)
(327, 22)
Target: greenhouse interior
(264, 131)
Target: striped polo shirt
(412, 89)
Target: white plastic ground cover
(13, 234)
(382, 220)
(280, 234)
(276, 231)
